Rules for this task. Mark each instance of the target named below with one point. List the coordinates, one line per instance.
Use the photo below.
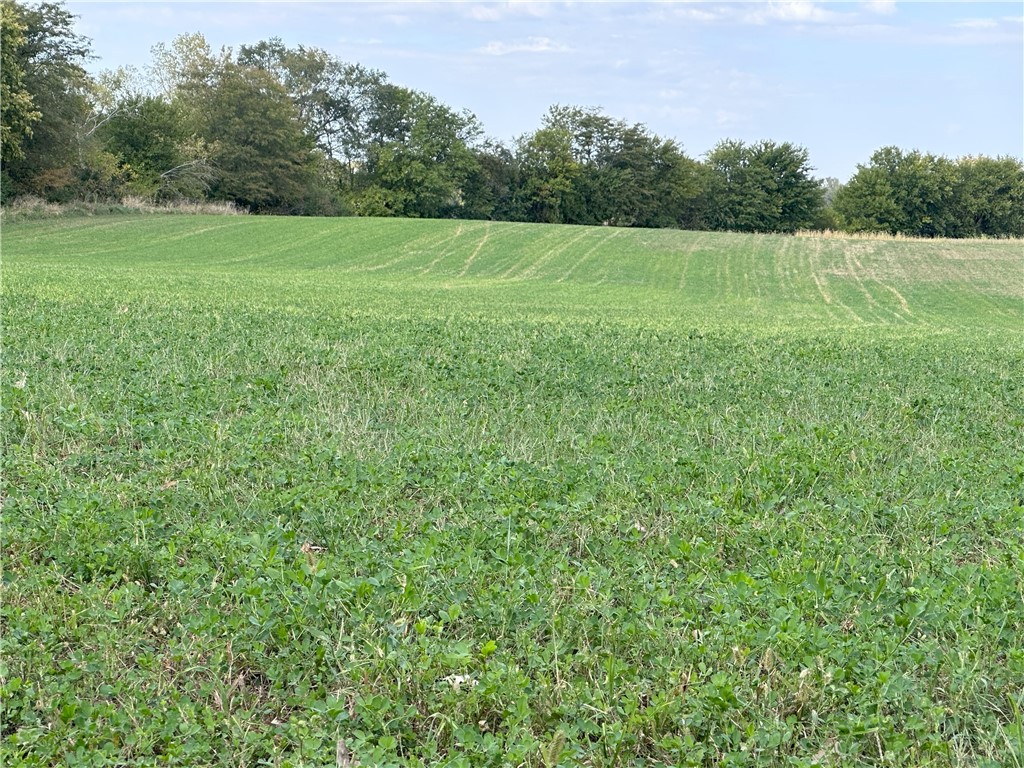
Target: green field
(298, 492)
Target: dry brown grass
(832, 234)
(30, 207)
(184, 206)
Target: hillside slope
(306, 492)
(433, 266)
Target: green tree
(419, 157)
(391, 150)
(262, 158)
(18, 110)
(151, 142)
(674, 186)
(988, 197)
(610, 155)
(240, 133)
(490, 189)
(188, 63)
(333, 98)
(737, 189)
(328, 93)
(593, 169)
(793, 191)
(761, 187)
(548, 171)
(909, 193)
(53, 160)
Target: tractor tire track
(531, 268)
(821, 283)
(590, 253)
(687, 260)
(476, 251)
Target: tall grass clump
(30, 208)
(833, 234)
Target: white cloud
(725, 118)
(798, 11)
(881, 7)
(195, 17)
(698, 14)
(485, 13)
(974, 37)
(679, 115)
(976, 24)
(869, 32)
(529, 45)
(350, 41)
(502, 11)
(791, 11)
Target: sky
(841, 79)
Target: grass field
(334, 492)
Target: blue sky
(841, 79)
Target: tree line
(295, 130)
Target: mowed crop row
(313, 492)
(664, 275)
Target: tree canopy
(45, 123)
(19, 112)
(295, 130)
(762, 187)
(919, 194)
